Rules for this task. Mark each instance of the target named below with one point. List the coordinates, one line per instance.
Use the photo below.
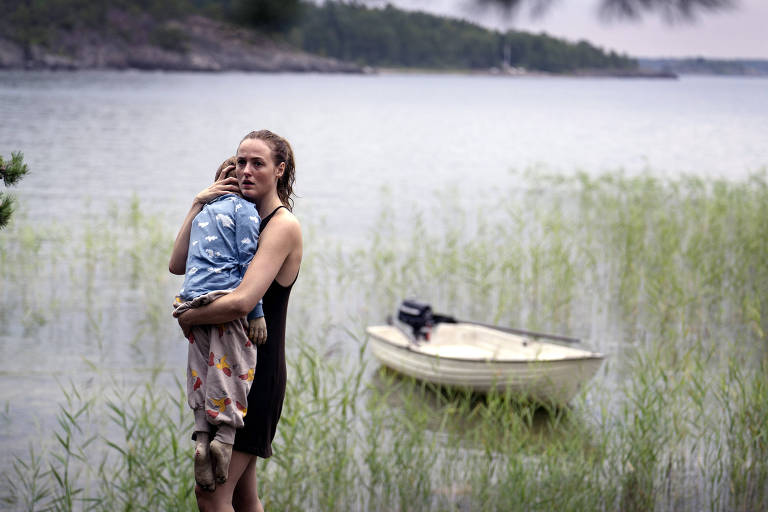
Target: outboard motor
(420, 317)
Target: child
(221, 359)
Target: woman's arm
(178, 262)
(281, 239)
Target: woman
(264, 172)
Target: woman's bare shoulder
(286, 224)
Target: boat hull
(548, 379)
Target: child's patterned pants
(220, 366)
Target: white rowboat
(483, 358)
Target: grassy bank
(667, 276)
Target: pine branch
(15, 169)
(11, 172)
(6, 209)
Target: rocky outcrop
(139, 42)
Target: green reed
(667, 276)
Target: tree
(671, 10)
(271, 15)
(11, 172)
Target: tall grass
(667, 276)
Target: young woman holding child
(264, 174)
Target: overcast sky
(738, 33)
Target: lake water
(94, 140)
(103, 136)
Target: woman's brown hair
(281, 152)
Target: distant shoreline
(368, 71)
(522, 73)
(704, 66)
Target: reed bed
(666, 276)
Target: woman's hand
(223, 186)
(186, 327)
(257, 330)
(227, 167)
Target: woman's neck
(267, 205)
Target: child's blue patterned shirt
(222, 242)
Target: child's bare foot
(221, 453)
(203, 467)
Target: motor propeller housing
(419, 316)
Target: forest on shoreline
(391, 37)
(72, 34)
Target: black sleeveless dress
(265, 399)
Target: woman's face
(255, 171)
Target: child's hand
(257, 330)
